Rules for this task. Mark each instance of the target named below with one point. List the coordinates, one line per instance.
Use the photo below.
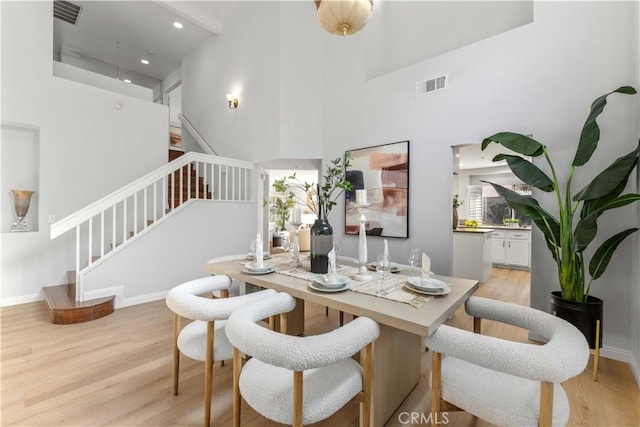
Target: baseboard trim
(118, 291)
(22, 299)
(141, 299)
(636, 370)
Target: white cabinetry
(511, 248)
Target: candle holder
(363, 274)
(295, 247)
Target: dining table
(404, 325)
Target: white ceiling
(140, 27)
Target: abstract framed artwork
(383, 171)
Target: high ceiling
(121, 33)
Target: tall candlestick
(361, 197)
(363, 274)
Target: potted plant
(567, 236)
(456, 204)
(321, 199)
(280, 207)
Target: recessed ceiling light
(127, 81)
(144, 61)
(178, 25)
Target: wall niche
(19, 156)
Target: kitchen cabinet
(511, 248)
(472, 253)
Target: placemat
(393, 283)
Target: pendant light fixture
(343, 17)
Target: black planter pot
(321, 244)
(582, 315)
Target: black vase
(582, 315)
(321, 244)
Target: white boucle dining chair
(204, 338)
(296, 380)
(505, 382)
(237, 286)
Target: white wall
(243, 59)
(272, 56)
(144, 277)
(539, 79)
(80, 75)
(407, 32)
(88, 148)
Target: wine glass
(382, 265)
(286, 244)
(337, 249)
(414, 258)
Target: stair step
(64, 310)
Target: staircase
(180, 193)
(106, 226)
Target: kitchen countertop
(476, 230)
(504, 227)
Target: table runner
(393, 283)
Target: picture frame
(383, 171)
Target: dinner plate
(443, 291)
(259, 272)
(265, 255)
(337, 282)
(431, 285)
(316, 286)
(393, 269)
(254, 266)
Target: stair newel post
(78, 293)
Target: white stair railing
(105, 226)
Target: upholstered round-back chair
(299, 380)
(505, 382)
(204, 338)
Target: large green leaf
(587, 227)
(609, 179)
(591, 131)
(521, 144)
(601, 258)
(529, 207)
(528, 172)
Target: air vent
(432, 85)
(66, 11)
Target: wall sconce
(232, 100)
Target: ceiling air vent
(432, 85)
(66, 11)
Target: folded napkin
(259, 253)
(332, 264)
(426, 267)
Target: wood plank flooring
(116, 371)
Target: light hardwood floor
(116, 371)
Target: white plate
(259, 272)
(393, 269)
(265, 255)
(318, 287)
(338, 281)
(445, 291)
(253, 266)
(431, 285)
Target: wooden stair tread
(64, 310)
